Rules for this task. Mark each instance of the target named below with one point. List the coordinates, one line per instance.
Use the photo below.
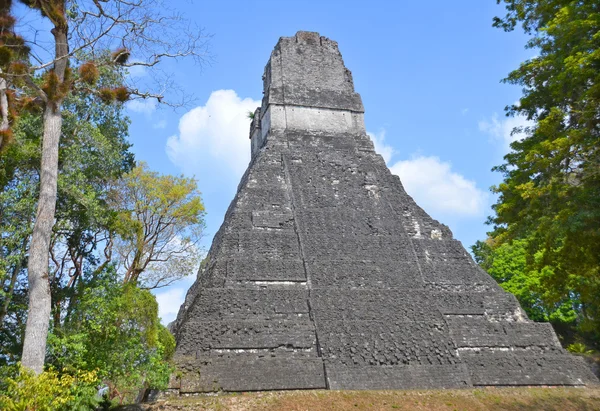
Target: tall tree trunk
(38, 314)
(38, 317)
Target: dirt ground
(563, 399)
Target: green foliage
(18, 192)
(99, 324)
(93, 154)
(550, 195)
(507, 264)
(114, 329)
(579, 348)
(167, 341)
(532, 14)
(24, 391)
(161, 221)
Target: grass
(561, 399)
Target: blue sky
(429, 74)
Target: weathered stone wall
(326, 274)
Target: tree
(161, 222)
(99, 325)
(115, 331)
(18, 191)
(93, 154)
(550, 195)
(36, 74)
(112, 338)
(507, 264)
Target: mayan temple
(327, 274)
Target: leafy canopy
(550, 195)
(115, 331)
(161, 220)
(507, 264)
(93, 154)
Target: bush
(115, 330)
(22, 390)
(578, 348)
(167, 341)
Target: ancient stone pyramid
(326, 274)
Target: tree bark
(39, 310)
(38, 318)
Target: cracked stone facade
(326, 273)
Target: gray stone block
(257, 269)
(397, 377)
(377, 343)
(478, 331)
(391, 305)
(293, 335)
(240, 304)
(505, 367)
(251, 373)
(384, 273)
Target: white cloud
(432, 183)
(438, 189)
(380, 146)
(464, 111)
(143, 106)
(137, 71)
(502, 129)
(169, 302)
(160, 124)
(218, 129)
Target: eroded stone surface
(325, 273)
